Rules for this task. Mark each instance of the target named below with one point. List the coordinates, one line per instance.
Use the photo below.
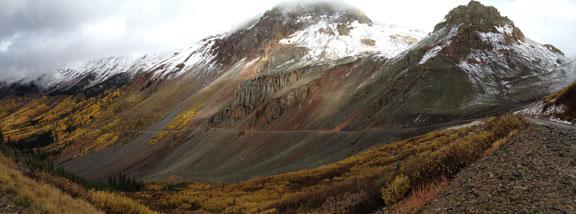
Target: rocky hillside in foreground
(300, 87)
(537, 162)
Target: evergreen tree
(122, 182)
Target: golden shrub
(396, 190)
(117, 203)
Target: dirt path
(534, 173)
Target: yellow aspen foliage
(179, 122)
(105, 140)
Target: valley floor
(533, 170)
(534, 173)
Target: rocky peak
(288, 18)
(477, 18)
(482, 18)
(477, 27)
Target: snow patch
(506, 29)
(432, 53)
(325, 42)
(558, 120)
(444, 42)
(537, 110)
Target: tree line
(27, 152)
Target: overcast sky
(39, 35)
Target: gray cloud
(37, 36)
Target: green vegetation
(35, 141)
(121, 182)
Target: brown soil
(534, 173)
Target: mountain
(302, 86)
(475, 61)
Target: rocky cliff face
(252, 94)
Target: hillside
(430, 173)
(300, 87)
(21, 194)
(358, 184)
(29, 183)
(365, 182)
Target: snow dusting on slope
(526, 52)
(507, 63)
(325, 41)
(537, 110)
(201, 54)
(442, 43)
(166, 65)
(105, 68)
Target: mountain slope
(300, 87)
(352, 185)
(22, 194)
(230, 91)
